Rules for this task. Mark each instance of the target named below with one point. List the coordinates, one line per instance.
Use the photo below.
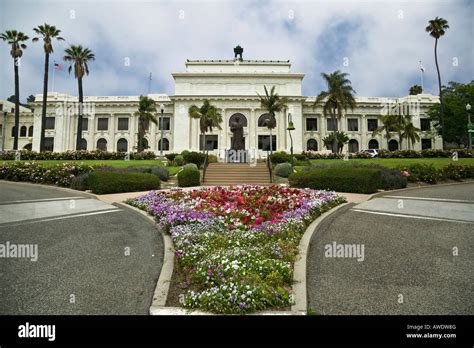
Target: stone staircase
(221, 174)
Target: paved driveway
(92, 257)
(418, 255)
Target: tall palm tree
(338, 97)
(388, 124)
(208, 116)
(415, 90)
(410, 132)
(341, 139)
(146, 113)
(437, 27)
(79, 57)
(272, 103)
(16, 39)
(47, 33)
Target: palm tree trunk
(334, 123)
(203, 142)
(17, 105)
(441, 109)
(79, 116)
(271, 142)
(45, 97)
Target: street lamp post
(4, 130)
(470, 126)
(162, 109)
(290, 128)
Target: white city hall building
(110, 123)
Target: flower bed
(235, 246)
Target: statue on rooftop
(238, 52)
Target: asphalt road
(92, 257)
(409, 265)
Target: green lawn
(112, 163)
(395, 162)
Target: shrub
(80, 182)
(423, 172)
(102, 182)
(75, 155)
(161, 172)
(283, 169)
(194, 157)
(280, 157)
(212, 159)
(190, 166)
(300, 157)
(358, 180)
(392, 179)
(316, 155)
(457, 172)
(171, 156)
(189, 177)
(178, 161)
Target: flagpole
(54, 69)
(149, 84)
(421, 74)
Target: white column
(112, 146)
(252, 125)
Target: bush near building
(101, 182)
(357, 180)
(283, 169)
(189, 177)
(76, 155)
(193, 157)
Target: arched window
(373, 144)
(13, 131)
(102, 144)
(30, 131)
(23, 131)
(312, 145)
(166, 144)
(262, 120)
(353, 146)
(240, 117)
(28, 147)
(122, 145)
(393, 145)
(83, 144)
(145, 144)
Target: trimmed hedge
(193, 157)
(429, 153)
(280, 157)
(189, 177)
(357, 180)
(283, 169)
(76, 155)
(428, 173)
(101, 182)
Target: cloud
(381, 42)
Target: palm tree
(437, 27)
(16, 39)
(48, 33)
(338, 97)
(208, 116)
(410, 132)
(341, 139)
(388, 124)
(272, 103)
(146, 113)
(79, 57)
(415, 89)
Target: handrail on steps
(205, 164)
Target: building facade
(233, 86)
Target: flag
(58, 66)
(422, 67)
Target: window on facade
(1, 107)
(166, 144)
(211, 142)
(83, 144)
(312, 145)
(102, 144)
(262, 120)
(49, 144)
(373, 144)
(393, 145)
(13, 131)
(1, 130)
(30, 131)
(425, 124)
(372, 124)
(353, 146)
(122, 124)
(425, 144)
(240, 118)
(23, 131)
(166, 123)
(102, 124)
(85, 123)
(264, 142)
(50, 123)
(353, 124)
(312, 124)
(145, 143)
(122, 145)
(331, 126)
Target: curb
(53, 187)
(299, 272)
(164, 280)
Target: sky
(378, 43)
